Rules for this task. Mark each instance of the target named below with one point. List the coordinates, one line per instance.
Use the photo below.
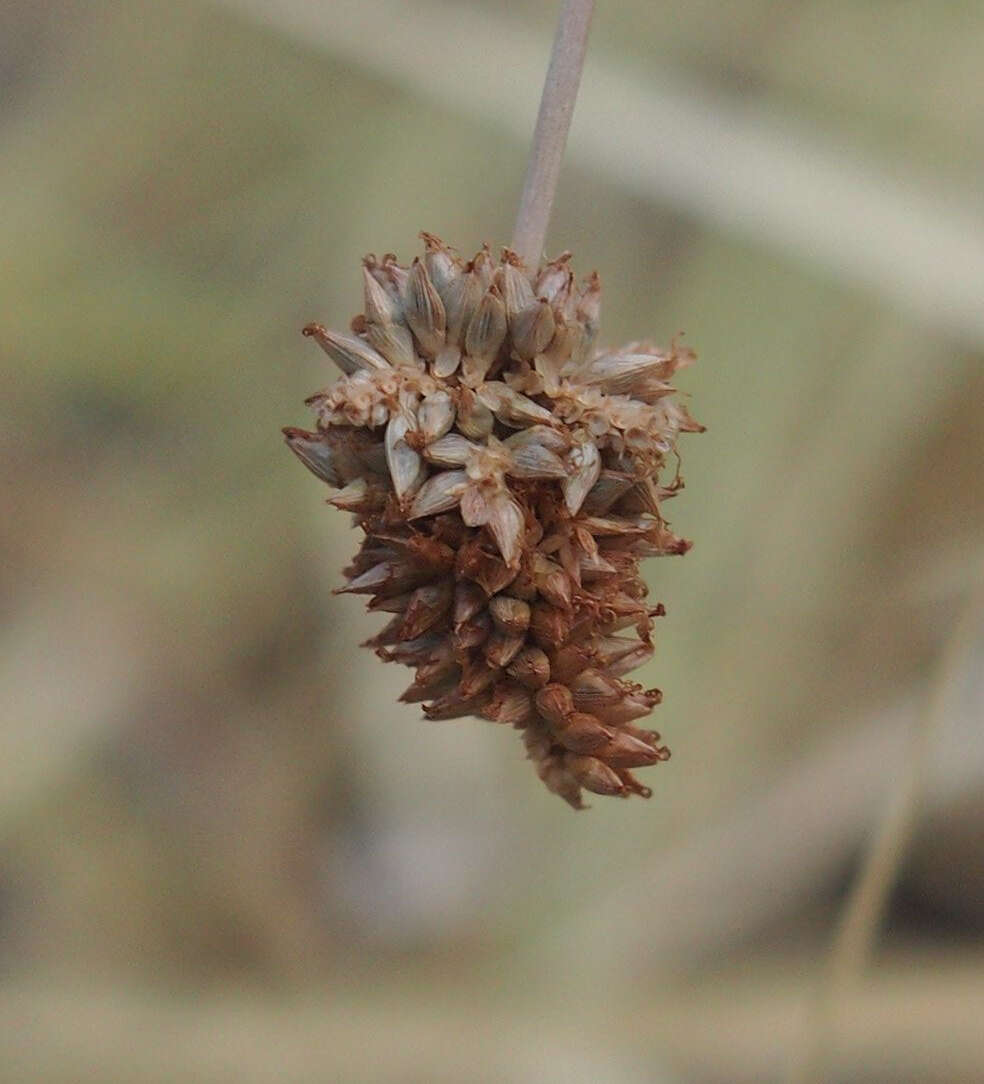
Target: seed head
(507, 477)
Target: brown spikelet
(506, 474)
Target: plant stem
(552, 125)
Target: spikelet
(506, 474)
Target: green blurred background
(226, 854)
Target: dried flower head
(506, 474)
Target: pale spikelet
(506, 475)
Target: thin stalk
(865, 906)
(552, 125)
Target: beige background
(225, 852)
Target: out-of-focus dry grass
(219, 835)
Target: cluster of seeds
(506, 474)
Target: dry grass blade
(858, 928)
(915, 1022)
(741, 872)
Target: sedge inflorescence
(509, 478)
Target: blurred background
(226, 853)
